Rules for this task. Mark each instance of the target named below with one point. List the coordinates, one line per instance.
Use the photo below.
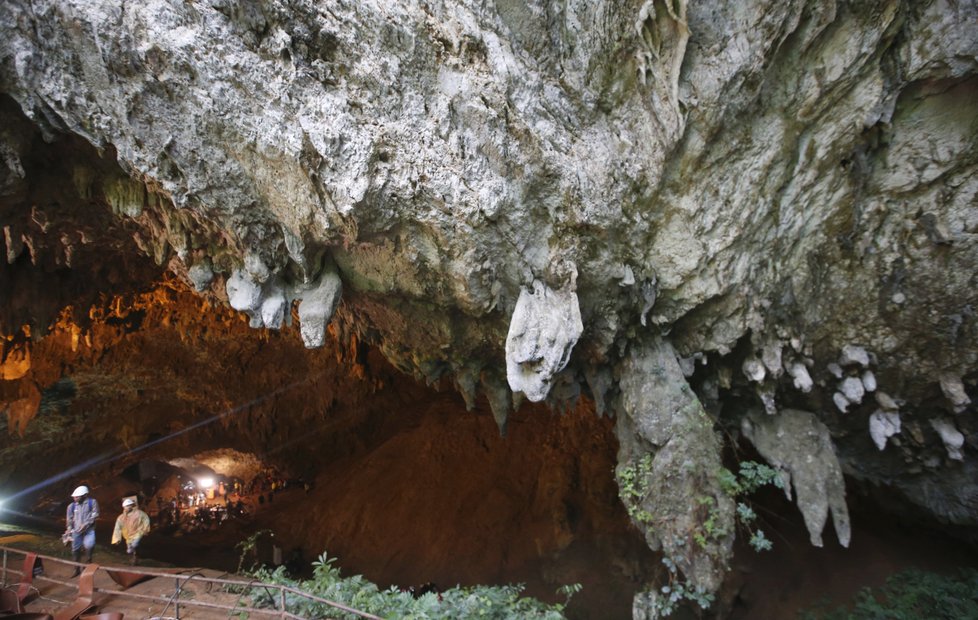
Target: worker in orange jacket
(131, 526)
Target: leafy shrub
(489, 602)
(911, 595)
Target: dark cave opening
(435, 496)
(405, 485)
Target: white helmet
(128, 502)
(80, 491)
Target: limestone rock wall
(784, 191)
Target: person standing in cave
(80, 522)
(130, 526)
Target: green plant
(249, 546)
(674, 593)
(489, 602)
(711, 528)
(750, 477)
(568, 591)
(909, 595)
(634, 486)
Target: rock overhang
(763, 189)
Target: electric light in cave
(206, 483)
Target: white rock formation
(852, 388)
(245, 294)
(882, 426)
(771, 356)
(318, 301)
(853, 355)
(800, 377)
(841, 402)
(951, 436)
(869, 381)
(798, 444)
(954, 391)
(835, 370)
(542, 333)
(201, 275)
(753, 369)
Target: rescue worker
(80, 523)
(131, 526)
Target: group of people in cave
(195, 509)
(80, 518)
(191, 509)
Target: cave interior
(118, 375)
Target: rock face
(663, 423)
(527, 197)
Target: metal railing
(276, 592)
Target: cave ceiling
(759, 219)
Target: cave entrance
(427, 493)
(202, 506)
(216, 478)
(214, 474)
(397, 479)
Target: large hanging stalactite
(669, 466)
